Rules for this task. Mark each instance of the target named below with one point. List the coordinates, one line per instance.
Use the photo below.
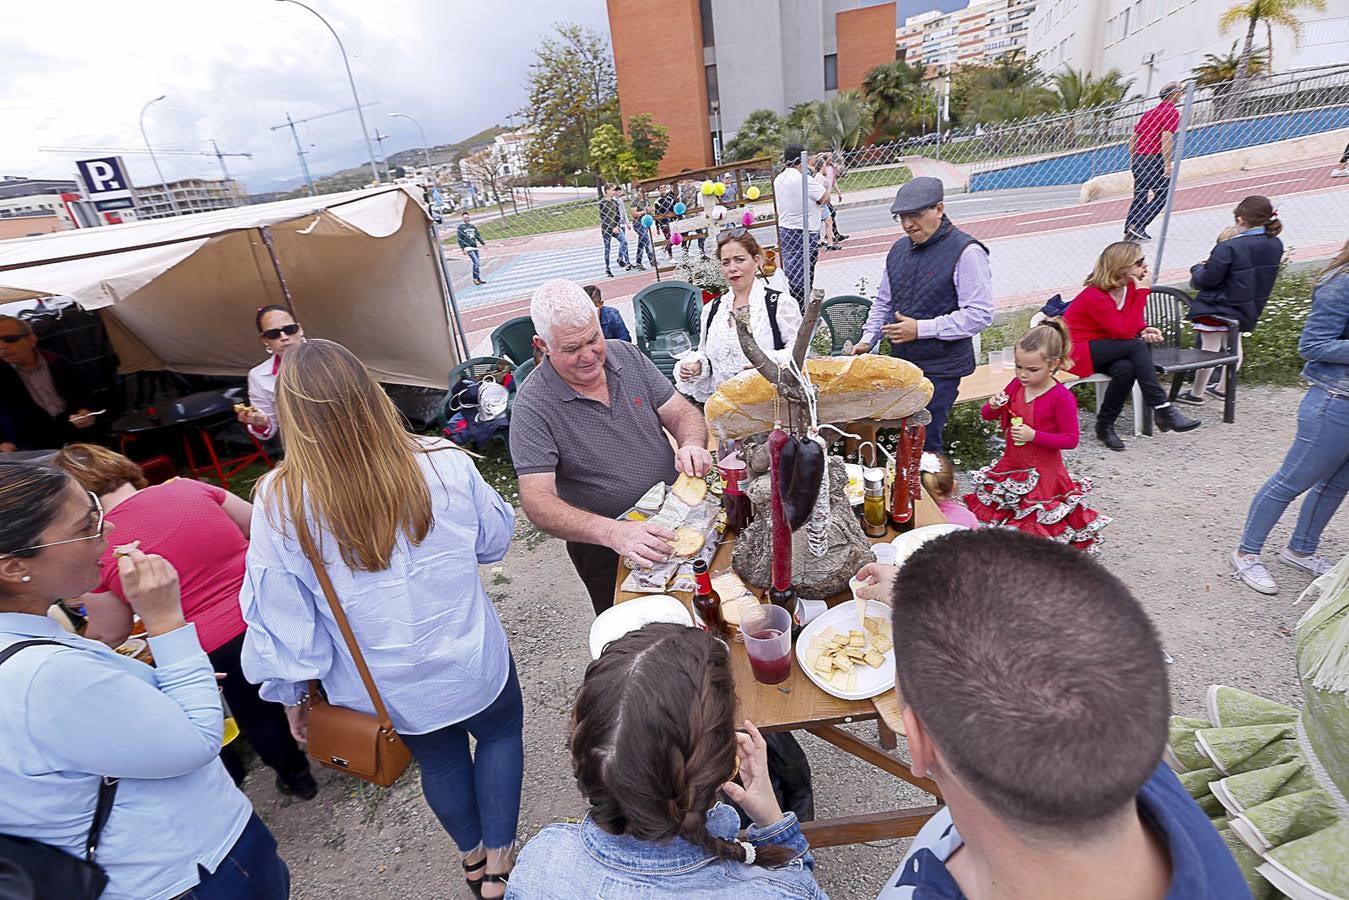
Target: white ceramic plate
(843, 618)
(906, 543)
(133, 647)
(621, 618)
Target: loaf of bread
(852, 389)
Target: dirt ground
(1178, 503)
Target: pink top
(182, 520)
(1055, 424)
(957, 513)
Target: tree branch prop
(807, 330)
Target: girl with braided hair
(653, 741)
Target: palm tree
(759, 135)
(1218, 70)
(1080, 90)
(1272, 12)
(890, 92)
(843, 120)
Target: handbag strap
(107, 786)
(326, 583)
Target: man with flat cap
(937, 294)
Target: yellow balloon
(707, 188)
(718, 188)
(752, 192)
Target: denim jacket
(581, 862)
(1325, 337)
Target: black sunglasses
(13, 338)
(728, 233)
(272, 334)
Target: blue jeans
(473, 258)
(1317, 464)
(944, 393)
(644, 244)
(476, 799)
(252, 870)
(622, 248)
(794, 258)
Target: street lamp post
(426, 152)
(154, 159)
(365, 133)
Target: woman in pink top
(203, 531)
(1029, 488)
(1110, 335)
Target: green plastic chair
(514, 339)
(476, 368)
(845, 316)
(664, 309)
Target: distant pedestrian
(470, 239)
(824, 169)
(665, 204)
(611, 320)
(1150, 151)
(1342, 170)
(642, 207)
(612, 226)
(798, 228)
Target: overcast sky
(75, 73)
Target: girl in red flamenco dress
(1029, 488)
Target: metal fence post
(805, 230)
(1177, 154)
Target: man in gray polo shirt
(588, 438)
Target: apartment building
(192, 195)
(975, 35)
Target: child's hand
(998, 400)
(1023, 433)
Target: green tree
(1011, 87)
(611, 155)
(1271, 12)
(891, 92)
(843, 121)
(649, 141)
(759, 135)
(572, 92)
(1218, 71)
(1078, 90)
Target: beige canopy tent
(363, 268)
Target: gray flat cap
(917, 195)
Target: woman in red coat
(1109, 335)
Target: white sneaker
(1341, 172)
(1317, 565)
(1253, 572)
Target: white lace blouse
(719, 349)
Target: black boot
(1105, 433)
(1171, 419)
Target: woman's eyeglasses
(95, 512)
(272, 334)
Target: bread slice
(689, 489)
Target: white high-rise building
(1156, 41)
(975, 35)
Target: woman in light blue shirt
(72, 712)
(401, 524)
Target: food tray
(870, 682)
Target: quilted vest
(922, 286)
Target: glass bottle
(735, 498)
(874, 517)
(706, 601)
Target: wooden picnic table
(798, 704)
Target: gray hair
(560, 302)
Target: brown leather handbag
(349, 740)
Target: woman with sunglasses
(774, 318)
(1109, 334)
(203, 532)
(278, 331)
(75, 716)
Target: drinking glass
(1009, 358)
(995, 364)
(768, 641)
(678, 344)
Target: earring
(27, 578)
(270, 351)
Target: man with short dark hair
(1034, 693)
(1150, 159)
(612, 226)
(43, 400)
(470, 240)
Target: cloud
(76, 73)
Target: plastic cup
(768, 641)
(1009, 358)
(995, 363)
(886, 553)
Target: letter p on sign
(106, 183)
(103, 177)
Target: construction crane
(300, 152)
(215, 151)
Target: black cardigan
(1237, 278)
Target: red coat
(1093, 316)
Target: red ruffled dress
(1029, 487)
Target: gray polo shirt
(604, 457)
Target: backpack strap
(107, 787)
(770, 300)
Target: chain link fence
(1046, 195)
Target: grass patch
(543, 220)
(872, 178)
(1271, 355)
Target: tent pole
(433, 235)
(266, 232)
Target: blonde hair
(941, 486)
(1050, 338)
(99, 469)
(1112, 265)
(350, 462)
(1337, 264)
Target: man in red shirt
(1150, 159)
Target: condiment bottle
(706, 601)
(734, 498)
(874, 519)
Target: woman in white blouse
(774, 319)
(278, 331)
